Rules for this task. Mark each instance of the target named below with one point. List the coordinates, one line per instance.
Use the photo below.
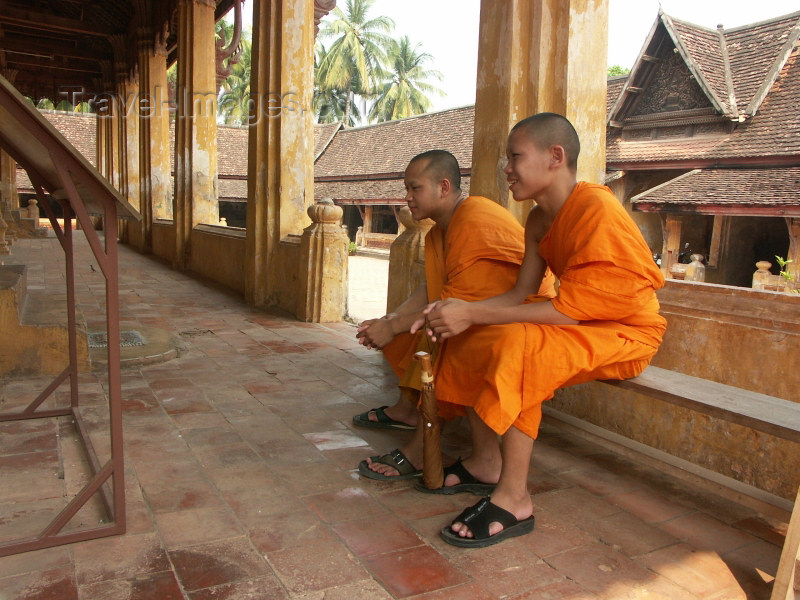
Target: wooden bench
(767, 414)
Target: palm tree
(232, 103)
(404, 94)
(353, 62)
(330, 105)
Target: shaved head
(551, 129)
(441, 165)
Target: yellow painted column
(195, 126)
(129, 147)
(155, 177)
(538, 56)
(281, 139)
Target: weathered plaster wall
(746, 338)
(218, 253)
(164, 240)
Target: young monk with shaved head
(603, 323)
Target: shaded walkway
(240, 462)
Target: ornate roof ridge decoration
(322, 8)
(731, 107)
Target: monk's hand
(423, 319)
(448, 318)
(376, 333)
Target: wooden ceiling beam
(40, 21)
(48, 48)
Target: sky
(448, 30)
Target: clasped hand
(445, 318)
(375, 333)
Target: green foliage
(365, 61)
(234, 96)
(615, 70)
(403, 94)
(352, 248)
(784, 273)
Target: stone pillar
(671, 232)
(281, 141)
(536, 56)
(155, 178)
(195, 126)
(129, 146)
(406, 259)
(323, 265)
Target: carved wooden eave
(661, 33)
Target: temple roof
(731, 97)
(751, 192)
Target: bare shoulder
(537, 224)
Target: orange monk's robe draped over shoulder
(607, 281)
(477, 258)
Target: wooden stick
(432, 470)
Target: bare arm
(376, 333)
(451, 316)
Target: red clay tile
(260, 588)
(217, 563)
(755, 566)
(270, 532)
(705, 532)
(609, 574)
(628, 534)
(414, 571)
(346, 504)
(507, 569)
(561, 590)
(316, 567)
(576, 503)
(554, 534)
(413, 505)
(376, 535)
(194, 526)
(161, 585)
(119, 557)
(701, 572)
(466, 591)
(648, 506)
(53, 584)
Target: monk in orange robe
(603, 324)
(473, 252)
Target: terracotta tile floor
(241, 483)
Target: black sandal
(395, 459)
(384, 421)
(478, 518)
(467, 483)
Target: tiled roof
(753, 50)
(728, 189)
(323, 134)
(613, 88)
(387, 147)
(389, 190)
(773, 132)
(704, 49)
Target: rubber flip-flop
(478, 518)
(395, 459)
(384, 421)
(467, 483)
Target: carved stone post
(535, 56)
(4, 249)
(406, 259)
(793, 224)
(323, 265)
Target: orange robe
(478, 258)
(607, 282)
